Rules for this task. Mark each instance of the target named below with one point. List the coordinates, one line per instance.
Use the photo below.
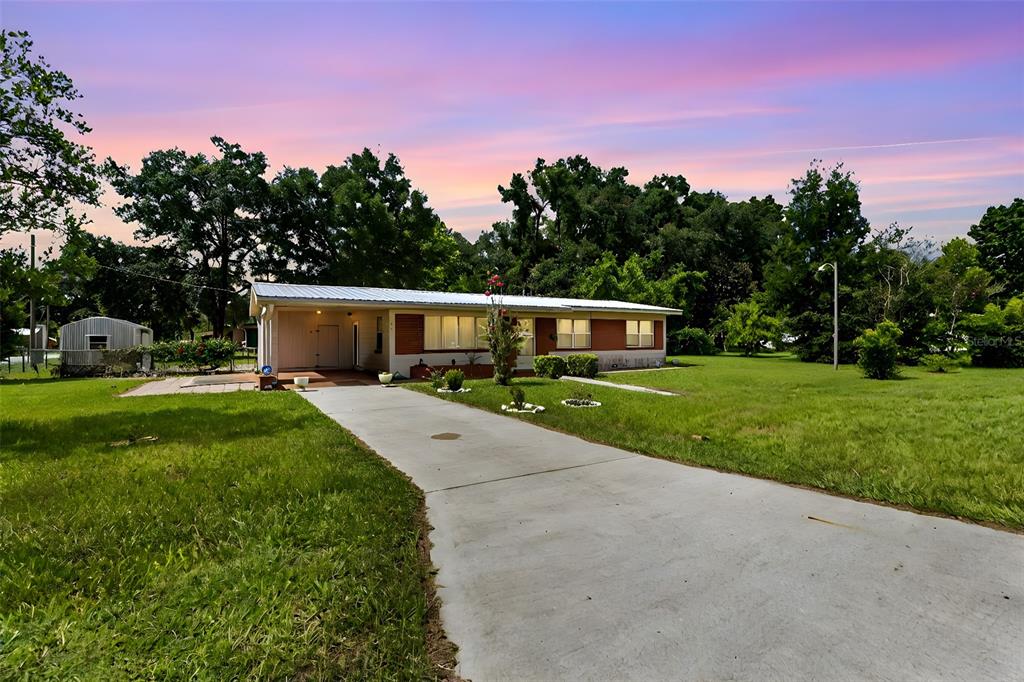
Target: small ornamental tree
(750, 328)
(879, 351)
(504, 335)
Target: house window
(573, 334)
(639, 334)
(481, 333)
(379, 347)
(526, 325)
(451, 332)
(97, 341)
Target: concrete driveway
(562, 559)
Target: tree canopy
(361, 223)
(740, 270)
(45, 174)
(205, 211)
(1000, 238)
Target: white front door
(327, 342)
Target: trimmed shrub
(581, 365)
(550, 366)
(879, 351)
(940, 364)
(453, 379)
(518, 396)
(691, 341)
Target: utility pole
(835, 315)
(32, 306)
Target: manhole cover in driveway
(445, 436)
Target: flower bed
(580, 402)
(527, 408)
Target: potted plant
(385, 378)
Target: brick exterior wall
(408, 334)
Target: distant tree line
(743, 272)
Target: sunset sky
(925, 102)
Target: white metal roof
(274, 292)
(103, 318)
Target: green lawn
(255, 539)
(948, 443)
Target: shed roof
(98, 318)
(275, 292)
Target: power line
(164, 279)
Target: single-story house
(402, 330)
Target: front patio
(226, 383)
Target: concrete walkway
(562, 559)
(194, 384)
(624, 387)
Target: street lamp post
(835, 310)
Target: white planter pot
(302, 382)
(385, 378)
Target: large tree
(204, 210)
(823, 225)
(360, 223)
(45, 175)
(1000, 238)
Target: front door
(355, 344)
(327, 352)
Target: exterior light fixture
(835, 310)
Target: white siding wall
(290, 335)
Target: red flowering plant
(209, 353)
(504, 335)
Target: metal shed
(82, 342)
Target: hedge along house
(401, 330)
